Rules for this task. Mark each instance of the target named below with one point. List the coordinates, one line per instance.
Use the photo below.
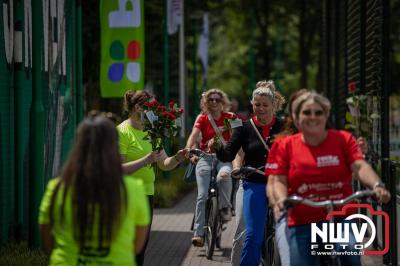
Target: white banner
(202, 49)
(174, 14)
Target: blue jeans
(203, 174)
(255, 205)
(300, 248)
(281, 238)
(240, 233)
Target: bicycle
(269, 252)
(330, 206)
(213, 220)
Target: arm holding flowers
(132, 166)
(166, 163)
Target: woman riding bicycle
(312, 163)
(214, 104)
(254, 138)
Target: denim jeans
(238, 238)
(224, 182)
(281, 238)
(255, 206)
(300, 248)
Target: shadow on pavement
(167, 248)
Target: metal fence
(41, 102)
(355, 48)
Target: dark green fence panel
(23, 100)
(7, 181)
(57, 58)
(355, 48)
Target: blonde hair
(226, 104)
(267, 88)
(315, 97)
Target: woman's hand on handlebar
(213, 145)
(194, 159)
(235, 170)
(279, 208)
(382, 194)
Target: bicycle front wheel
(211, 226)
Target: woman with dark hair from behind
(91, 214)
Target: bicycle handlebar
(294, 200)
(199, 153)
(245, 171)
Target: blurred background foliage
(248, 41)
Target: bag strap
(259, 135)
(216, 129)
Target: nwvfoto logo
(338, 234)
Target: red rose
(352, 87)
(172, 116)
(180, 110)
(231, 116)
(154, 103)
(171, 105)
(162, 108)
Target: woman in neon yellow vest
(91, 215)
(133, 148)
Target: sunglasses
(317, 113)
(217, 100)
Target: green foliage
(270, 30)
(168, 190)
(359, 119)
(20, 254)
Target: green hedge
(170, 187)
(20, 254)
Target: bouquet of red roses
(161, 122)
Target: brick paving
(170, 239)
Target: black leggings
(140, 256)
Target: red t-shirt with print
(207, 131)
(317, 172)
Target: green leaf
(349, 117)
(350, 101)
(349, 126)
(363, 98)
(375, 116)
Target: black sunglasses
(308, 112)
(217, 100)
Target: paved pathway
(170, 243)
(170, 240)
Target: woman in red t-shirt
(316, 163)
(214, 105)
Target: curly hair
(131, 98)
(226, 104)
(267, 88)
